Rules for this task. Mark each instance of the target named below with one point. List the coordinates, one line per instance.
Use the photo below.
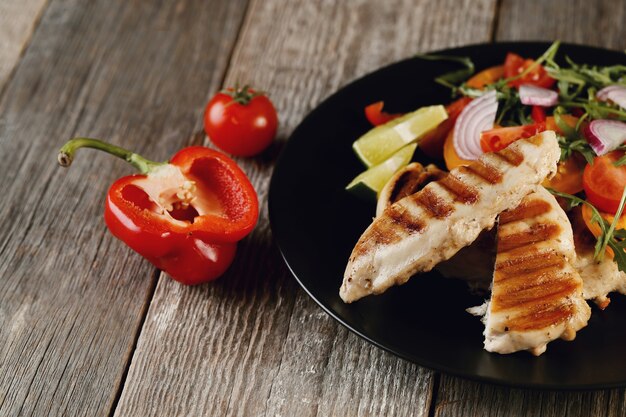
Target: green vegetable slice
(383, 141)
(369, 183)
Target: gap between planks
(197, 138)
(27, 37)
(156, 275)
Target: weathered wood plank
(598, 23)
(18, 19)
(72, 298)
(252, 343)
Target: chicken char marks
(419, 231)
(537, 296)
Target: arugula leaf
(450, 79)
(622, 160)
(609, 236)
(619, 253)
(573, 140)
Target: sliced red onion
(605, 136)
(531, 95)
(479, 115)
(614, 93)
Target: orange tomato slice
(432, 142)
(593, 226)
(569, 175)
(486, 77)
(450, 156)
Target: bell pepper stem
(66, 153)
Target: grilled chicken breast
(537, 295)
(599, 277)
(425, 228)
(407, 181)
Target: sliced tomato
(569, 120)
(486, 77)
(515, 65)
(432, 143)
(450, 156)
(499, 138)
(604, 182)
(593, 227)
(569, 175)
(376, 116)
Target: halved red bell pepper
(184, 216)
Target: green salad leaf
(609, 235)
(450, 79)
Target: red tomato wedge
(515, 65)
(604, 182)
(376, 116)
(493, 140)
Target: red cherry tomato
(604, 182)
(515, 65)
(240, 121)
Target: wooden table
(87, 327)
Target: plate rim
(425, 363)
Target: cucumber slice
(368, 184)
(383, 141)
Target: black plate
(316, 224)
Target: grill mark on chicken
(536, 294)
(461, 191)
(541, 276)
(536, 233)
(529, 296)
(511, 156)
(434, 205)
(382, 234)
(404, 220)
(528, 262)
(534, 140)
(412, 181)
(525, 210)
(484, 171)
(541, 317)
(447, 222)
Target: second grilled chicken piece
(421, 230)
(537, 295)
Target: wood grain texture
(599, 23)
(18, 19)
(252, 343)
(72, 298)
